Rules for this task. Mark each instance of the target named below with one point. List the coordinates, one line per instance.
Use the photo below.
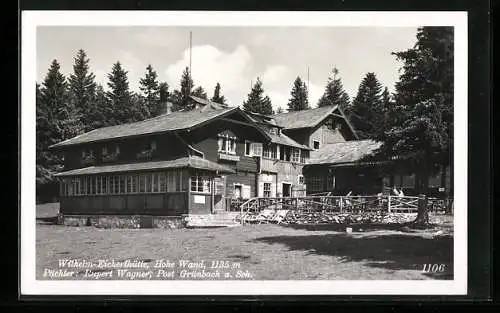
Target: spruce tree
(256, 101)
(366, 112)
(150, 87)
(200, 93)
(279, 111)
(164, 98)
(299, 100)
(217, 96)
(82, 87)
(181, 98)
(119, 95)
(57, 119)
(334, 93)
(100, 113)
(422, 131)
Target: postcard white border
(31, 19)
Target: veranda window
(200, 183)
(227, 144)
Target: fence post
(389, 204)
(341, 204)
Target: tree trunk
(422, 220)
(423, 212)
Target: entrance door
(237, 192)
(287, 190)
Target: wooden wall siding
(147, 204)
(288, 173)
(325, 135)
(209, 147)
(200, 208)
(168, 147)
(244, 178)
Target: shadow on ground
(406, 227)
(389, 251)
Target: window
(330, 182)
(116, 185)
(257, 149)
(316, 144)
(122, 185)
(142, 183)
(295, 155)
(92, 186)
(171, 181)
(227, 144)
(163, 182)
(300, 179)
(304, 155)
(178, 185)
(149, 186)
(266, 152)
(248, 148)
(267, 190)
(315, 184)
(87, 156)
(200, 183)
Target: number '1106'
(434, 268)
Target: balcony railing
(88, 160)
(109, 157)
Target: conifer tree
(181, 98)
(200, 93)
(421, 134)
(119, 95)
(57, 119)
(256, 101)
(150, 87)
(366, 112)
(82, 87)
(299, 100)
(164, 98)
(217, 96)
(334, 93)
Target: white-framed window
(315, 144)
(227, 144)
(200, 183)
(295, 155)
(248, 148)
(300, 179)
(267, 190)
(266, 151)
(257, 149)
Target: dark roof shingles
(344, 152)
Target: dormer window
(227, 144)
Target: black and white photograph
(234, 153)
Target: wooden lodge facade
(195, 162)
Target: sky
(234, 56)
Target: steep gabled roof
(191, 162)
(344, 152)
(164, 123)
(305, 118)
(283, 139)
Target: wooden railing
(325, 203)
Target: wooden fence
(344, 204)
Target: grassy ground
(263, 252)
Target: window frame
(314, 145)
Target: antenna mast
(190, 51)
(308, 78)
